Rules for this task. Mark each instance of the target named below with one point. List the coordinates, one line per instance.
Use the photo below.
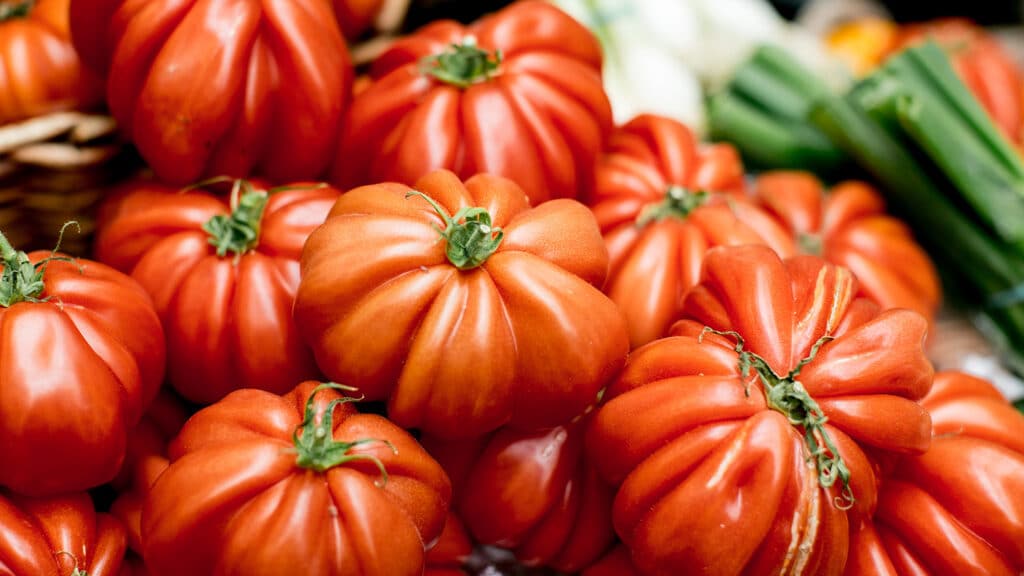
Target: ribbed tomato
(266, 485)
(58, 536)
(81, 357)
(959, 507)
(41, 71)
(661, 200)
(740, 444)
(223, 273)
(461, 305)
(517, 94)
(848, 226)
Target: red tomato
(268, 485)
(223, 274)
(661, 201)
(449, 555)
(517, 94)
(58, 536)
(983, 65)
(233, 87)
(41, 71)
(614, 563)
(355, 16)
(532, 492)
(462, 326)
(746, 451)
(81, 356)
(959, 507)
(848, 226)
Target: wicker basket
(55, 169)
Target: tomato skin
(532, 492)
(540, 121)
(683, 429)
(228, 324)
(233, 486)
(266, 94)
(453, 548)
(958, 508)
(615, 563)
(78, 371)
(355, 16)
(53, 536)
(42, 72)
(526, 338)
(851, 226)
(653, 265)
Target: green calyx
(14, 10)
(314, 438)
(462, 64)
(786, 395)
(811, 243)
(469, 235)
(678, 203)
(238, 232)
(21, 280)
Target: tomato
(356, 16)
(516, 94)
(58, 536)
(223, 274)
(982, 63)
(42, 72)
(81, 356)
(959, 507)
(662, 200)
(615, 563)
(234, 87)
(848, 226)
(449, 555)
(746, 450)
(532, 492)
(334, 491)
(461, 305)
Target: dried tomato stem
(786, 395)
(470, 237)
(462, 64)
(678, 203)
(318, 450)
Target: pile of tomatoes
(452, 305)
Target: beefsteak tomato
(223, 274)
(81, 357)
(532, 492)
(517, 94)
(848, 226)
(41, 70)
(461, 305)
(740, 444)
(234, 87)
(959, 507)
(268, 485)
(58, 536)
(661, 201)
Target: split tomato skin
(539, 117)
(957, 508)
(686, 427)
(55, 536)
(79, 366)
(227, 316)
(525, 338)
(235, 484)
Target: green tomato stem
(22, 281)
(469, 235)
(678, 203)
(238, 232)
(462, 65)
(15, 10)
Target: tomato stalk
(470, 237)
(786, 395)
(13, 10)
(22, 281)
(678, 203)
(462, 64)
(318, 450)
(238, 232)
